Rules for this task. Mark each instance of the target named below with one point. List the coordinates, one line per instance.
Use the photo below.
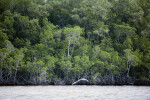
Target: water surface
(74, 93)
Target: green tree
(131, 59)
(129, 11)
(72, 36)
(124, 31)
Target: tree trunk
(16, 73)
(68, 47)
(72, 49)
(112, 78)
(118, 36)
(128, 66)
(1, 73)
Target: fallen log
(82, 81)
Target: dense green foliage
(60, 41)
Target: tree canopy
(60, 41)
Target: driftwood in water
(81, 82)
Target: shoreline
(72, 85)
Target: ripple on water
(75, 93)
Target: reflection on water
(75, 93)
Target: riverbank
(73, 85)
(102, 81)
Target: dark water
(74, 93)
